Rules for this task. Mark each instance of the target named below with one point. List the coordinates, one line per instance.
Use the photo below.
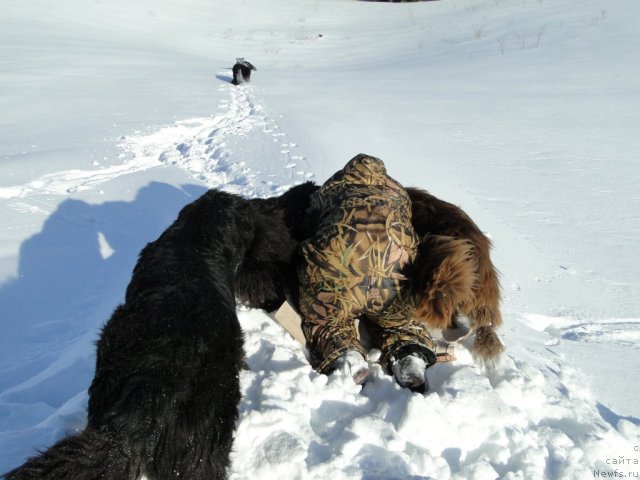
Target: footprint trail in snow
(240, 150)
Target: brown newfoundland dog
(453, 273)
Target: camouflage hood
(362, 182)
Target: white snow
(525, 112)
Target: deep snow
(524, 112)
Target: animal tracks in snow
(619, 331)
(239, 149)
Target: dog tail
(89, 455)
(445, 273)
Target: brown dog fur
(454, 272)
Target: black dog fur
(163, 402)
(164, 399)
(242, 71)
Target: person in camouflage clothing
(353, 268)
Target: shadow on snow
(71, 275)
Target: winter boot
(353, 364)
(409, 368)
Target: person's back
(354, 265)
(363, 220)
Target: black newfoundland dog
(242, 71)
(163, 403)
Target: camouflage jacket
(364, 229)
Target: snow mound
(522, 419)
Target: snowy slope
(525, 113)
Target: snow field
(524, 112)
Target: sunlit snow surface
(523, 112)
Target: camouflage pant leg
(350, 268)
(328, 321)
(395, 329)
(329, 310)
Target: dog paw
(487, 344)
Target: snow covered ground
(525, 112)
